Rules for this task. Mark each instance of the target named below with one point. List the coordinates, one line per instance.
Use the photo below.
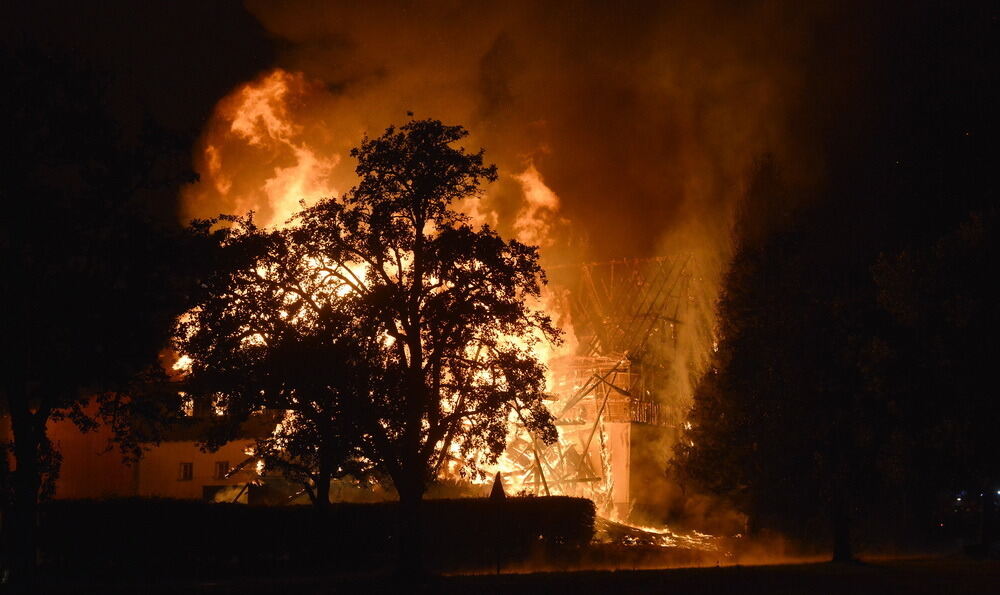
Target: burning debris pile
(610, 532)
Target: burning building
(617, 400)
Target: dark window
(187, 472)
(221, 469)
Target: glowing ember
(183, 364)
(608, 531)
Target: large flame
(262, 153)
(268, 149)
(540, 213)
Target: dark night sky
(170, 60)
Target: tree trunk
(323, 476)
(842, 550)
(23, 537)
(410, 484)
(411, 560)
(6, 467)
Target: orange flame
(535, 221)
(268, 147)
(259, 153)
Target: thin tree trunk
(23, 538)
(322, 502)
(6, 467)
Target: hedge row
(159, 537)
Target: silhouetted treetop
(391, 330)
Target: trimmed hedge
(185, 538)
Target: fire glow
(270, 149)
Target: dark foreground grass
(919, 576)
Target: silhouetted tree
(394, 333)
(90, 277)
(938, 357)
(781, 423)
(452, 304)
(270, 330)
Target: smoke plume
(642, 119)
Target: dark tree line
(935, 364)
(847, 410)
(93, 275)
(850, 397)
(781, 422)
(95, 267)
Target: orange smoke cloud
(642, 119)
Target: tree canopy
(383, 321)
(935, 364)
(91, 276)
(782, 424)
(849, 398)
(453, 302)
(272, 332)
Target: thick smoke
(642, 119)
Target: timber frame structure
(608, 397)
